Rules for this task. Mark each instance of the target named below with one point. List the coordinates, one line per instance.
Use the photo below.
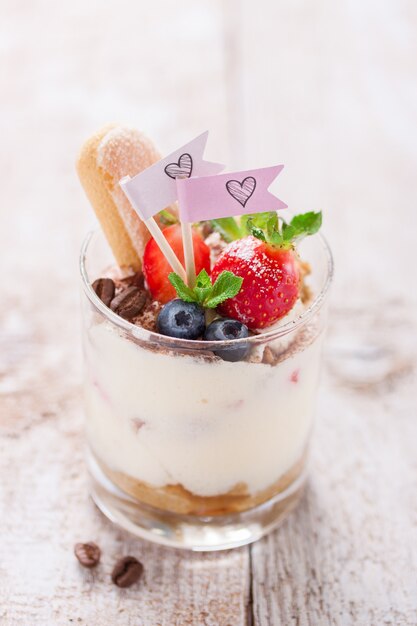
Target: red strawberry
(270, 281)
(156, 268)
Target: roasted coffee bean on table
(127, 571)
(104, 288)
(129, 302)
(88, 554)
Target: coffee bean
(88, 554)
(129, 302)
(127, 571)
(104, 288)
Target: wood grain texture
(340, 99)
(61, 85)
(336, 96)
(347, 556)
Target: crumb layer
(177, 499)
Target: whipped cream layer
(207, 425)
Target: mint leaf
(202, 287)
(184, 292)
(228, 228)
(226, 286)
(204, 293)
(203, 279)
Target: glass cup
(187, 449)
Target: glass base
(188, 531)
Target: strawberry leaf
(228, 228)
(255, 231)
(288, 232)
(268, 228)
(272, 225)
(276, 238)
(261, 220)
(303, 225)
(167, 218)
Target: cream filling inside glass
(168, 419)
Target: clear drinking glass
(187, 449)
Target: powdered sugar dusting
(125, 151)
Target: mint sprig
(269, 228)
(206, 294)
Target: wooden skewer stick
(164, 246)
(156, 233)
(187, 242)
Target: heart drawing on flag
(241, 191)
(182, 169)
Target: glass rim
(142, 334)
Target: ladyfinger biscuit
(114, 152)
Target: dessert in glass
(199, 401)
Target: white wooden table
(328, 89)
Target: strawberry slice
(269, 265)
(156, 268)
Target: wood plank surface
(340, 97)
(329, 89)
(347, 556)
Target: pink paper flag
(154, 189)
(210, 197)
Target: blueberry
(183, 320)
(226, 329)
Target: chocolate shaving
(148, 316)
